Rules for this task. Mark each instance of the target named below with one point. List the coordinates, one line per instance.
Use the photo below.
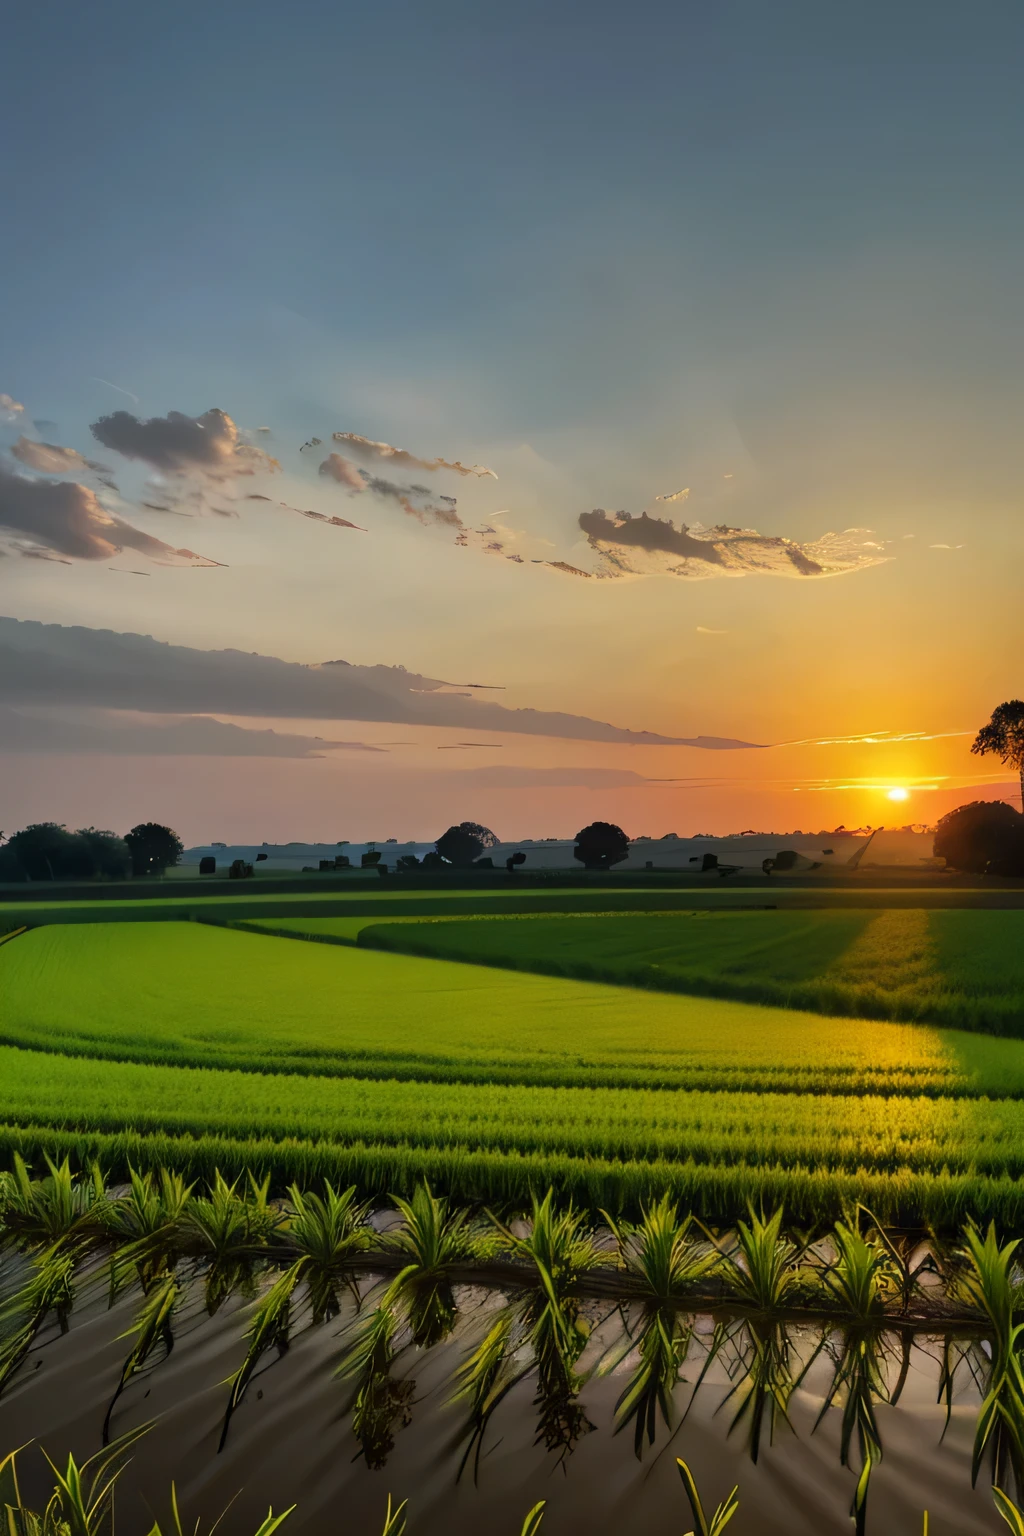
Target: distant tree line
(984, 837)
(46, 850)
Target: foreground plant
(433, 1238)
(723, 1512)
(665, 1264)
(59, 1221)
(990, 1283)
(764, 1268)
(322, 1234)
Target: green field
(964, 969)
(189, 994)
(211, 1047)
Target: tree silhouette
(153, 848)
(46, 850)
(601, 845)
(1004, 735)
(464, 844)
(109, 854)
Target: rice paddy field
(960, 968)
(205, 1046)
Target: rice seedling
(858, 1383)
(485, 1378)
(863, 1275)
(433, 1235)
(659, 1255)
(559, 1243)
(723, 1512)
(59, 1210)
(146, 1223)
(231, 1233)
(991, 1283)
(763, 1363)
(82, 1501)
(48, 1288)
(322, 1234)
(380, 1402)
(764, 1269)
(665, 1264)
(153, 1330)
(661, 1345)
(60, 1221)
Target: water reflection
(482, 1371)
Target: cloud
(49, 458)
(367, 448)
(321, 517)
(120, 734)
(10, 409)
(652, 546)
(702, 629)
(53, 664)
(561, 565)
(343, 471)
(207, 445)
(67, 519)
(444, 516)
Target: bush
(983, 837)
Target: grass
(961, 969)
(204, 1047)
(197, 995)
(781, 1130)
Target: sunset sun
(898, 794)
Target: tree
(601, 845)
(463, 845)
(983, 837)
(108, 854)
(153, 848)
(46, 850)
(1004, 735)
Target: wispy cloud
(115, 733)
(365, 447)
(872, 738)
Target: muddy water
(291, 1441)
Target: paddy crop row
(625, 1125)
(188, 994)
(961, 969)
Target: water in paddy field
(292, 1439)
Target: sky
(666, 362)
